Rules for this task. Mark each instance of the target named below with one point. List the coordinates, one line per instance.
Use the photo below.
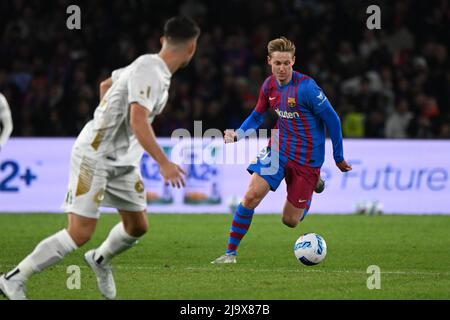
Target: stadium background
(388, 83)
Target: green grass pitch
(173, 260)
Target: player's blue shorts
(271, 169)
(300, 180)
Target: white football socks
(46, 254)
(117, 242)
(53, 249)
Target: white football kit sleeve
(116, 74)
(5, 120)
(142, 90)
(105, 163)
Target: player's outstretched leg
(292, 215)
(47, 253)
(239, 228)
(301, 183)
(243, 217)
(121, 238)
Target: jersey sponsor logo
(287, 114)
(272, 98)
(302, 201)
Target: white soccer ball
(369, 207)
(310, 249)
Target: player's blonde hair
(282, 45)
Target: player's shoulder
(147, 61)
(304, 81)
(301, 78)
(154, 63)
(270, 81)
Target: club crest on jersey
(292, 102)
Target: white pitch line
(332, 271)
(221, 269)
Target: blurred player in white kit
(105, 163)
(5, 121)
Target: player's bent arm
(251, 124)
(104, 87)
(144, 133)
(333, 124)
(331, 119)
(320, 106)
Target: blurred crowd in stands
(387, 83)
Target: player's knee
(81, 229)
(137, 230)
(290, 221)
(81, 237)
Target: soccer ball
(310, 249)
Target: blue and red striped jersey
(299, 106)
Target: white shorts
(93, 185)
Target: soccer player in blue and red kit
(296, 153)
